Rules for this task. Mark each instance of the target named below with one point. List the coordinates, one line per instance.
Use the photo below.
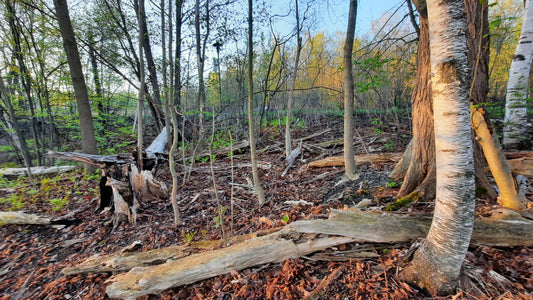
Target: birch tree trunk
(350, 172)
(437, 263)
(255, 173)
(515, 130)
(141, 89)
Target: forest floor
(31, 257)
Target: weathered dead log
(21, 218)
(158, 145)
(43, 170)
(120, 261)
(258, 251)
(15, 217)
(91, 159)
(338, 161)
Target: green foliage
(285, 218)
(378, 125)
(371, 74)
(188, 236)
(220, 213)
(58, 203)
(15, 201)
(394, 184)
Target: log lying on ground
(258, 251)
(503, 228)
(120, 261)
(21, 218)
(338, 161)
(91, 159)
(44, 170)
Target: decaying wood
(95, 160)
(338, 161)
(158, 145)
(21, 218)
(522, 166)
(270, 248)
(145, 187)
(343, 227)
(120, 261)
(291, 158)
(43, 170)
(15, 217)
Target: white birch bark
(438, 261)
(515, 129)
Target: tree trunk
(145, 41)
(255, 173)
(142, 87)
(78, 81)
(174, 104)
(515, 132)
(437, 263)
(420, 175)
(288, 146)
(477, 44)
(350, 172)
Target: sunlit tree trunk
(349, 160)
(437, 263)
(515, 131)
(255, 173)
(78, 81)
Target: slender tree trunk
(255, 173)
(437, 263)
(173, 108)
(78, 81)
(349, 161)
(139, 7)
(200, 58)
(515, 132)
(288, 146)
(140, 13)
(26, 80)
(19, 138)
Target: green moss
(404, 201)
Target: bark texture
(349, 163)
(78, 81)
(515, 131)
(437, 263)
(420, 174)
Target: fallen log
(266, 249)
(120, 261)
(338, 161)
(43, 170)
(21, 218)
(501, 228)
(94, 160)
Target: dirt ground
(31, 257)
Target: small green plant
(378, 123)
(217, 219)
(285, 218)
(188, 236)
(15, 202)
(58, 203)
(389, 146)
(394, 184)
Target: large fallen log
(338, 161)
(43, 170)
(266, 249)
(501, 228)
